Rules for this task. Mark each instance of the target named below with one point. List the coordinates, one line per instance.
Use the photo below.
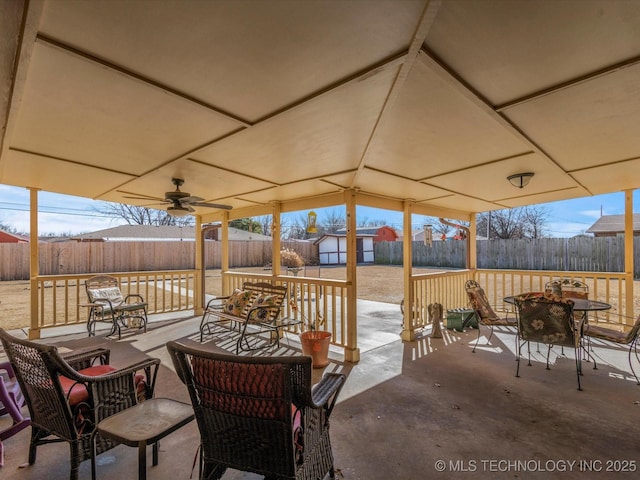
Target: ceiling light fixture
(520, 180)
(177, 211)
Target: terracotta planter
(316, 345)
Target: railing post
(408, 330)
(628, 253)
(351, 351)
(34, 266)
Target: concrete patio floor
(412, 410)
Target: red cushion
(77, 392)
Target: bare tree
(535, 219)
(333, 221)
(440, 229)
(135, 215)
(523, 222)
(7, 228)
(365, 222)
(295, 229)
(266, 224)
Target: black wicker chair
(259, 414)
(68, 396)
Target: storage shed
(332, 248)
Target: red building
(381, 234)
(6, 237)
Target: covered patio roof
(256, 102)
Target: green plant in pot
(315, 342)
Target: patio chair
(483, 310)
(109, 305)
(67, 396)
(259, 414)
(11, 401)
(549, 320)
(612, 335)
(569, 288)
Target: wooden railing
(447, 288)
(60, 297)
(313, 298)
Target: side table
(144, 424)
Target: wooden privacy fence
(69, 258)
(588, 254)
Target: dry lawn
(374, 282)
(379, 283)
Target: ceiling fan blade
(144, 197)
(191, 199)
(211, 205)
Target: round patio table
(579, 304)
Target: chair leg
(490, 334)
(578, 368)
(548, 353)
(634, 347)
(477, 340)
(75, 459)
(590, 354)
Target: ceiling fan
(182, 203)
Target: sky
(63, 214)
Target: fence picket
(69, 258)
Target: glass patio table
(583, 305)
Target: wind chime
(428, 235)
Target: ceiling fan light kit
(178, 211)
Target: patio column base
(408, 335)
(352, 354)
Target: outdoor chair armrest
(87, 358)
(216, 299)
(103, 306)
(326, 392)
(134, 295)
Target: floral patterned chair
(619, 337)
(485, 313)
(547, 319)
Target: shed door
(359, 250)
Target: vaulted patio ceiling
(259, 101)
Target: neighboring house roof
(613, 224)
(364, 230)
(163, 233)
(7, 237)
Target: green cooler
(459, 318)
